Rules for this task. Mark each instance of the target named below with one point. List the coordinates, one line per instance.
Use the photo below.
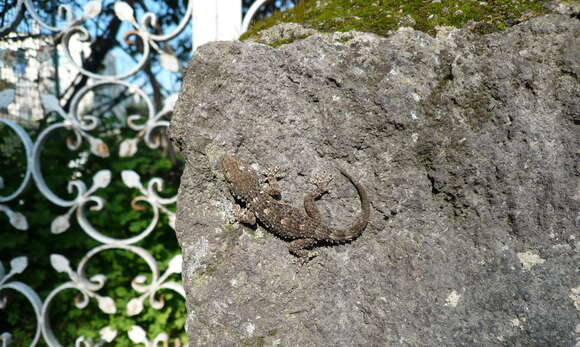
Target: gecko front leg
(298, 248)
(321, 182)
(272, 175)
(244, 215)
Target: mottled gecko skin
(306, 230)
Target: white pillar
(216, 20)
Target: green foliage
(383, 16)
(117, 219)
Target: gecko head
(243, 179)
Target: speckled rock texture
(469, 149)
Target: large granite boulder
(468, 147)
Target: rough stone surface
(569, 8)
(469, 149)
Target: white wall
(216, 20)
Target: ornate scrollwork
(89, 288)
(17, 266)
(146, 33)
(16, 219)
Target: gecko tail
(357, 228)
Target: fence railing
(82, 123)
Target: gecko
(305, 230)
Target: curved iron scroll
(84, 194)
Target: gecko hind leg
(272, 175)
(321, 182)
(298, 248)
(244, 215)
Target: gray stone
(570, 8)
(469, 149)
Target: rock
(468, 147)
(569, 8)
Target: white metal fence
(22, 103)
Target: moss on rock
(383, 16)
